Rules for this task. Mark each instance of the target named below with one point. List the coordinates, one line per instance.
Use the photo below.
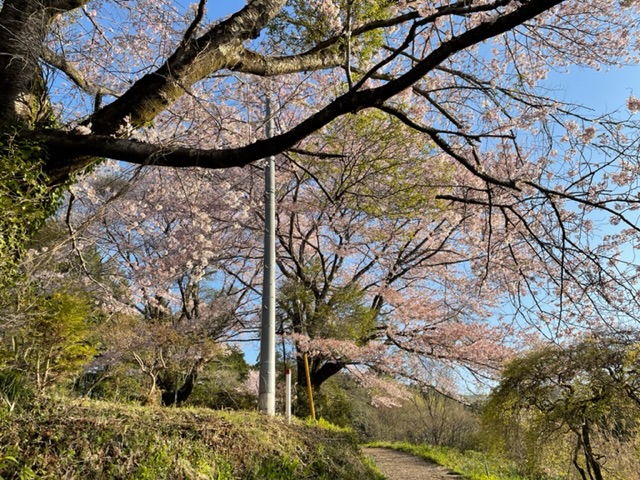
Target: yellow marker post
(309, 393)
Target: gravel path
(403, 466)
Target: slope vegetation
(56, 439)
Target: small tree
(53, 343)
(588, 392)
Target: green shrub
(25, 201)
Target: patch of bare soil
(403, 466)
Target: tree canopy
(588, 390)
(145, 60)
(425, 170)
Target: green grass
(98, 440)
(470, 464)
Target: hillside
(96, 440)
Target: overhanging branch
(63, 145)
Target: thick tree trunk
(320, 371)
(174, 393)
(23, 30)
(595, 471)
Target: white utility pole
(267, 388)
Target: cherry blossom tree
(168, 232)
(527, 196)
(375, 267)
(169, 238)
(372, 277)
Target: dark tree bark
(319, 370)
(576, 464)
(174, 393)
(23, 29)
(593, 466)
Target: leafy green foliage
(112, 383)
(301, 25)
(424, 417)
(221, 384)
(14, 388)
(53, 343)
(379, 176)
(578, 404)
(334, 403)
(25, 200)
(341, 315)
(49, 315)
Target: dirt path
(402, 466)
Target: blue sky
(222, 8)
(604, 90)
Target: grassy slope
(95, 440)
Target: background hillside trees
(585, 394)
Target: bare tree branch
(58, 61)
